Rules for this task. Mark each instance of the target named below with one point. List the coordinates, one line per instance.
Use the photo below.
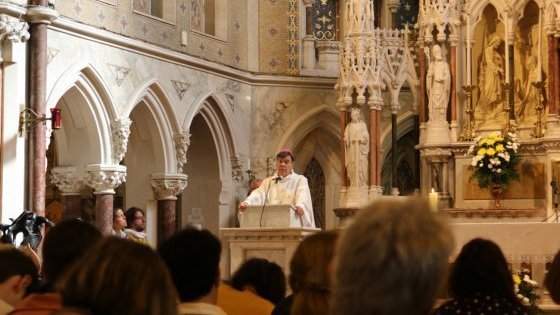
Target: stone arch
(85, 137)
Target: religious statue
(356, 140)
(27, 223)
(491, 79)
(438, 85)
(529, 94)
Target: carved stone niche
(438, 173)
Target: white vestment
(293, 190)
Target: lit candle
(433, 198)
(248, 164)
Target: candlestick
(248, 163)
(433, 198)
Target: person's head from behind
(119, 220)
(119, 276)
(481, 268)
(135, 219)
(285, 162)
(552, 279)
(65, 243)
(266, 278)
(391, 260)
(310, 273)
(18, 273)
(193, 257)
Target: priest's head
(284, 162)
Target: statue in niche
(356, 140)
(438, 85)
(529, 94)
(491, 79)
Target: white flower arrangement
(526, 289)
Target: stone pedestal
(328, 56)
(355, 197)
(437, 133)
(275, 244)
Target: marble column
(378, 148)
(453, 69)
(343, 174)
(39, 16)
(166, 188)
(68, 181)
(557, 75)
(104, 178)
(551, 77)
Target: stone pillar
(39, 16)
(166, 188)
(454, 126)
(422, 65)
(328, 56)
(68, 181)
(343, 174)
(438, 174)
(552, 120)
(104, 178)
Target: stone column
(552, 120)
(166, 188)
(104, 178)
(438, 173)
(68, 181)
(38, 16)
(343, 175)
(422, 64)
(454, 126)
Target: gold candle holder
(538, 129)
(468, 133)
(507, 109)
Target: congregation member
(255, 287)
(64, 243)
(119, 277)
(552, 279)
(136, 225)
(481, 282)
(193, 258)
(310, 276)
(18, 274)
(392, 260)
(119, 223)
(284, 187)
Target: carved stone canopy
(167, 186)
(104, 178)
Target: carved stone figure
(356, 140)
(529, 94)
(438, 85)
(491, 79)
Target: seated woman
(310, 276)
(254, 288)
(118, 276)
(481, 282)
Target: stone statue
(438, 85)
(491, 79)
(529, 94)
(356, 140)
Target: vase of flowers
(494, 163)
(526, 290)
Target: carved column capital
(13, 29)
(104, 178)
(67, 180)
(40, 15)
(182, 142)
(167, 186)
(120, 131)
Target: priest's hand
(299, 210)
(242, 206)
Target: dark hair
(64, 243)
(119, 276)
(266, 277)
(552, 279)
(284, 153)
(13, 262)
(130, 215)
(481, 268)
(192, 257)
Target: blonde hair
(391, 260)
(310, 274)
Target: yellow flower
(490, 141)
(481, 151)
(490, 152)
(499, 139)
(483, 141)
(500, 148)
(516, 279)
